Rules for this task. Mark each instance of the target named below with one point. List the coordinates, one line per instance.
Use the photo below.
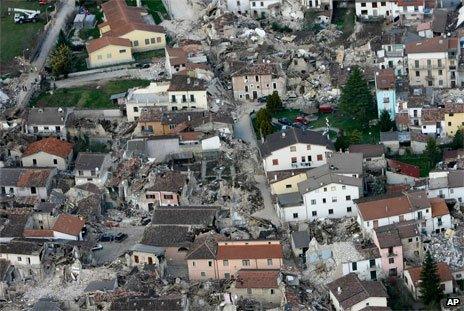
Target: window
(416, 64)
(210, 263)
(348, 209)
(34, 162)
(158, 39)
(295, 215)
(440, 82)
(136, 259)
(274, 85)
(147, 41)
(249, 291)
(173, 98)
(99, 57)
(275, 162)
(33, 190)
(440, 72)
(383, 3)
(122, 51)
(303, 159)
(136, 109)
(391, 260)
(343, 187)
(269, 262)
(354, 266)
(334, 199)
(363, 4)
(293, 159)
(292, 148)
(184, 98)
(429, 63)
(227, 275)
(348, 197)
(272, 291)
(374, 4)
(308, 147)
(192, 98)
(314, 213)
(333, 188)
(55, 161)
(135, 43)
(371, 263)
(58, 129)
(410, 240)
(288, 186)
(325, 189)
(363, 12)
(319, 157)
(313, 202)
(331, 211)
(203, 273)
(20, 259)
(417, 74)
(225, 263)
(152, 40)
(245, 262)
(449, 123)
(324, 200)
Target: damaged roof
(69, 224)
(87, 161)
(368, 150)
(433, 45)
(185, 215)
(444, 272)
(47, 116)
(205, 247)
(292, 136)
(244, 68)
(20, 247)
(350, 290)
(230, 250)
(172, 181)
(25, 177)
(186, 83)
(257, 278)
(385, 79)
(138, 303)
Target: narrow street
(30, 79)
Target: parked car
(97, 247)
(301, 120)
(145, 221)
(106, 237)
(284, 121)
(262, 99)
(120, 237)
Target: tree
(341, 143)
(273, 102)
(62, 39)
(61, 60)
(356, 98)
(433, 152)
(354, 137)
(458, 139)
(263, 122)
(266, 129)
(430, 290)
(385, 123)
(378, 186)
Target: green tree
(354, 137)
(62, 39)
(433, 152)
(378, 186)
(266, 129)
(341, 143)
(356, 98)
(458, 139)
(273, 102)
(385, 123)
(61, 60)
(430, 290)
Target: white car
(97, 247)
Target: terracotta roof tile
(444, 273)
(69, 224)
(385, 79)
(51, 146)
(251, 278)
(33, 178)
(96, 44)
(439, 207)
(432, 45)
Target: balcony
(301, 165)
(393, 53)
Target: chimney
(188, 80)
(189, 118)
(339, 290)
(283, 134)
(139, 3)
(275, 177)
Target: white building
(412, 278)
(48, 152)
(372, 9)
(24, 256)
(47, 121)
(91, 167)
(294, 148)
(156, 94)
(380, 211)
(446, 185)
(26, 182)
(187, 93)
(260, 8)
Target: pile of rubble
(449, 250)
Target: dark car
(106, 237)
(284, 121)
(120, 237)
(262, 99)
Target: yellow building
(108, 51)
(129, 23)
(454, 118)
(286, 181)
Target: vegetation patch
(90, 97)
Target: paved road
(243, 129)
(180, 9)
(29, 79)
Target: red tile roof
(384, 206)
(432, 45)
(444, 273)
(403, 168)
(123, 19)
(50, 145)
(38, 233)
(96, 44)
(251, 278)
(411, 2)
(262, 251)
(385, 79)
(33, 178)
(68, 224)
(439, 207)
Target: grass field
(370, 135)
(148, 55)
(91, 97)
(153, 6)
(16, 38)
(420, 160)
